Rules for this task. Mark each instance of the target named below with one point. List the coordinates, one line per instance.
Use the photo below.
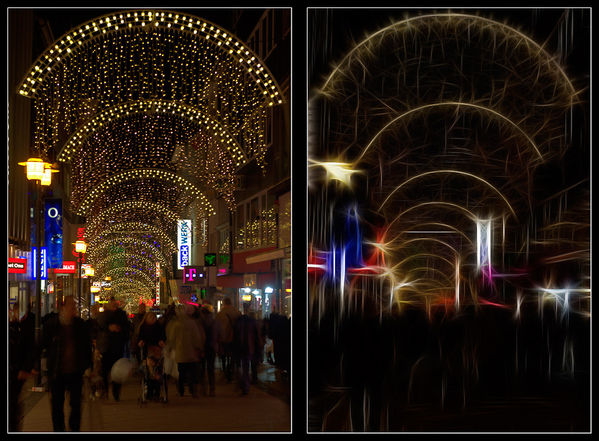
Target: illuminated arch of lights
(111, 244)
(126, 207)
(125, 271)
(115, 259)
(137, 174)
(70, 45)
(100, 121)
(131, 228)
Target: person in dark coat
(21, 361)
(245, 344)
(67, 341)
(209, 324)
(113, 336)
(151, 338)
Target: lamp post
(41, 173)
(80, 248)
(89, 272)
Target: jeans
(72, 383)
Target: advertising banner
(53, 232)
(183, 243)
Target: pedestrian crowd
(188, 338)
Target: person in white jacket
(187, 339)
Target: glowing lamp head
(89, 271)
(80, 246)
(95, 289)
(47, 177)
(268, 290)
(34, 168)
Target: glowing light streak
(449, 103)
(540, 51)
(339, 171)
(458, 172)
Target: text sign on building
(53, 232)
(43, 263)
(183, 243)
(194, 274)
(17, 266)
(68, 267)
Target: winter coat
(210, 326)
(53, 341)
(151, 334)
(109, 341)
(246, 341)
(185, 337)
(226, 318)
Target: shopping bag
(121, 371)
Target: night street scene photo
(149, 220)
(449, 233)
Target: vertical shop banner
(43, 264)
(53, 232)
(183, 243)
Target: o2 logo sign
(183, 243)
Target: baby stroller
(153, 379)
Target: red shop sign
(17, 266)
(68, 267)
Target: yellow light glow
(34, 169)
(80, 247)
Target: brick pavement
(228, 411)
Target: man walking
(226, 319)
(114, 330)
(67, 341)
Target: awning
(264, 257)
(229, 281)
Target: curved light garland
(456, 104)
(507, 31)
(457, 172)
(69, 44)
(91, 255)
(134, 272)
(128, 206)
(158, 106)
(135, 174)
(134, 228)
(99, 266)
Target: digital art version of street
(449, 227)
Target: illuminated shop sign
(68, 267)
(53, 232)
(209, 259)
(17, 266)
(194, 274)
(183, 243)
(43, 263)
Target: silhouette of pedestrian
(66, 339)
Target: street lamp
(41, 173)
(80, 248)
